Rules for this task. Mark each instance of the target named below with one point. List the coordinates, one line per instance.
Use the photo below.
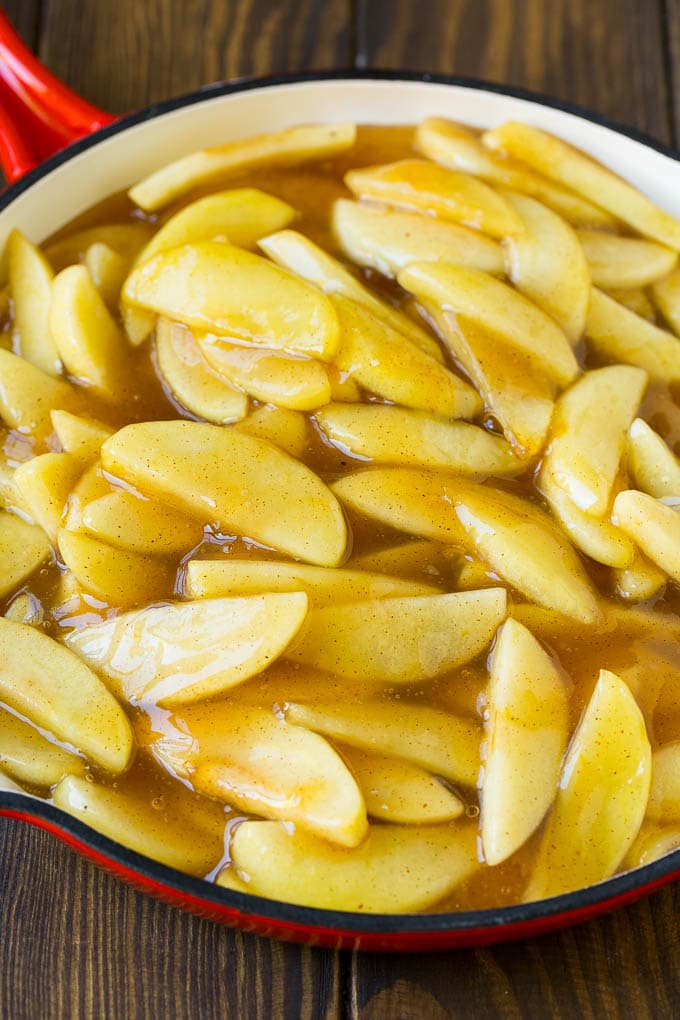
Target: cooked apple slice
(284, 428)
(516, 539)
(289, 147)
(300, 384)
(664, 794)
(397, 791)
(174, 654)
(140, 525)
(193, 384)
(324, 587)
(400, 640)
(30, 757)
(428, 561)
(90, 486)
(459, 148)
(228, 879)
(386, 240)
(30, 281)
(45, 483)
(514, 389)
(527, 720)
(25, 608)
(108, 270)
(420, 184)
(496, 308)
(653, 842)
(27, 395)
(651, 524)
(125, 238)
(212, 285)
(394, 435)
(205, 470)
(23, 548)
(183, 834)
(640, 581)
(8, 785)
(440, 742)
(625, 261)
(385, 362)
(117, 576)
(654, 467)
(343, 387)
(589, 434)
(616, 334)
(10, 497)
(295, 252)
(250, 758)
(601, 796)
(79, 436)
(666, 297)
(569, 166)
(547, 264)
(635, 299)
(397, 869)
(49, 685)
(89, 342)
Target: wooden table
(75, 943)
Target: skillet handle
(39, 115)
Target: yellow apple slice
(420, 184)
(140, 525)
(666, 297)
(385, 362)
(569, 166)
(654, 467)
(289, 147)
(546, 263)
(23, 548)
(324, 587)
(90, 486)
(26, 608)
(640, 581)
(182, 834)
(205, 470)
(79, 436)
(174, 654)
(588, 434)
(616, 334)
(295, 252)
(429, 561)
(49, 685)
(496, 308)
(343, 387)
(439, 742)
(625, 261)
(27, 395)
(228, 879)
(664, 794)
(516, 539)
(459, 148)
(10, 497)
(395, 435)
(653, 842)
(216, 286)
(45, 483)
(397, 791)
(299, 384)
(252, 759)
(89, 342)
(30, 281)
(125, 238)
(653, 526)
(193, 384)
(400, 640)
(281, 426)
(397, 869)
(30, 757)
(601, 796)
(108, 270)
(635, 299)
(527, 719)
(386, 240)
(117, 576)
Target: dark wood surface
(75, 943)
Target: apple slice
(45, 483)
(395, 435)
(527, 720)
(588, 434)
(108, 270)
(140, 525)
(125, 238)
(437, 741)
(625, 261)
(616, 334)
(324, 587)
(635, 299)
(81, 437)
(666, 297)
(653, 526)
(287, 429)
(50, 686)
(664, 795)
(387, 241)
(118, 576)
(30, 757)
(420, 184)
(400, 640)
(27, 395)
(204, 470)
(30, 282)
(432, 562)
(641, 581)
(23, 548)
(654, 467)
(174, 654)
(248, 757)
(653, 842)
(396, 870)
(601, 796)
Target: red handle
(39, 115)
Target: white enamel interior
(117, 162)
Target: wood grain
(672, 23)
(606, 54)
